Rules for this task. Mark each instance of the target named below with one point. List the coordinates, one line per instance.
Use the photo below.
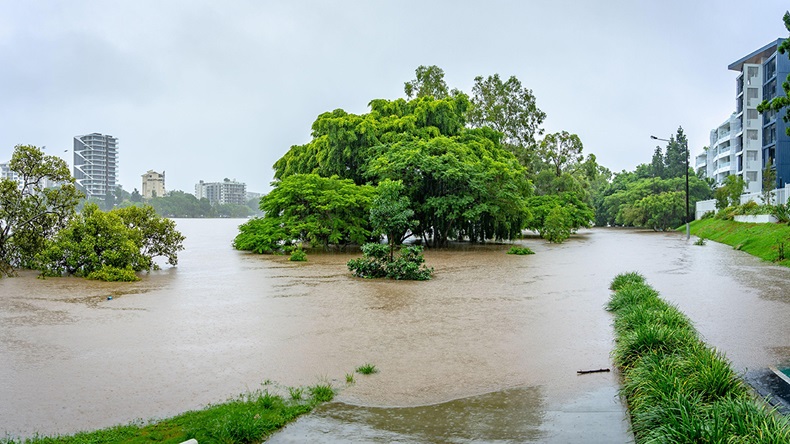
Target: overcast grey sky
(215, 89)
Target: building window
(769, 92)
(770, 68)
(769, 134)
(768, 116)
(751, 114)
(752, 75)
(751, 176)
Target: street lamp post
(686, 152)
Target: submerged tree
(111, 245)
(308, 208)
(33, 209)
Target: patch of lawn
(766, 241)
(248, 418)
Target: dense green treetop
(512, 110)
(429, 82)
(308, 208)
(461, 182)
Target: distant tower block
(96, 164)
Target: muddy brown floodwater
(487, 351)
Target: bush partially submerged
(114, 274)
(376, 263)
(521, 251)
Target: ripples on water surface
(493, 337)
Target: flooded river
(487, 351)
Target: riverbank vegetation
(766, 241)
(441, 165)
(248, 418)
(677, 388)
(40, 228)
(653, 195)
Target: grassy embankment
(677, 388)
(761, 240)
(249, 418)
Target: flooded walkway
(487, 351)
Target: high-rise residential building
(225, 192)
(96, 164)
(6, 173)
(726, 155)
(153, 184)
(758, 140)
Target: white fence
(778, 196)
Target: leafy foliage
(512, 110)
(298, 255)
(391, 213)
(729, 194)
(459, 182)
(113, 274)
(376, 263)
(429, 82)
(31, 213)
(101, 244)
(556, 216)
(520, 251)
(651, 202)
(309, 208)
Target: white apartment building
(96, 164)
(153, 184)
(736, 145)
(225, 192)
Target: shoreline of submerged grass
(249, 418)
(678, 389)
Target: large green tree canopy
(461, 182)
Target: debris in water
(600, 370)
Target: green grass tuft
(623, 279)
(367, 369)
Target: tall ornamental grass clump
(677, 388)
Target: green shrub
(700, 241)
(781, 213)
(375, 263)
(521, 251)
(298, 255)
(113, 274)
